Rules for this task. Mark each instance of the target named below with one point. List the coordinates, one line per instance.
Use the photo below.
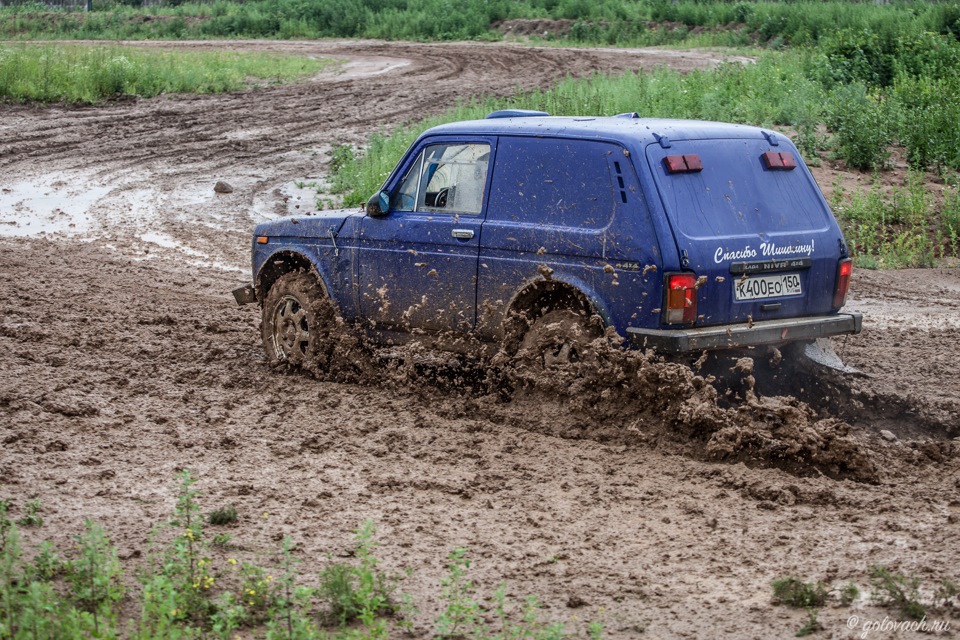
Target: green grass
(901, 226)
(189, 590)
(223, 515)
(88, 74)
(607, 22)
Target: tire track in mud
(437, 75)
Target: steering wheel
(441, 200)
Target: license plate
(787, 284)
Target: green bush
(765, 23)
(861, 124)
(796, 593)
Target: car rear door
(751, 223)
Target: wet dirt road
(123, 359)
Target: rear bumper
(742, 335)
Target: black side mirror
(378, 204)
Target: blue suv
(680, 236)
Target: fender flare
(560, 289)
(284, 261)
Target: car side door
(418, 262)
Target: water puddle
(42, 209)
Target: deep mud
(624, 489)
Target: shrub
(901, 592)
(796, 593)
(861, 128)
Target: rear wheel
(557, 338)
(297, 318)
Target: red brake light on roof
(782, 160)
(675, 164)
(693, 162)
(681, 306)
(844, 269)
(689, 163)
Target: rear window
(565, 183)
(735, 194)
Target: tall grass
(642, 22)
(84, 74)
(898, 227)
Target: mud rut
(626, 491)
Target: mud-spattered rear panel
(749, 217)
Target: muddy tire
(297, 319)
(558, 338)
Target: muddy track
(633, 495)
(278, 120)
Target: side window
(445, 178)
(555, 182)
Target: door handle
(463, 234)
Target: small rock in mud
(575, 601)
(70, 404)
(56, 445)
(222, 187)
(887, 435)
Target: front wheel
(297, 317)
(558, 338)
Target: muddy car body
(680, 235)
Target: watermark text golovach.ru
(888, 625)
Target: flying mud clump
(608, 393)
(630, 396)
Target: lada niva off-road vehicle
(681, 236)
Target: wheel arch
(281, 263)
(540, 296)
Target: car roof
(622, 127)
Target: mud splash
(713, 410)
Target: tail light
(689, 163)
(782, 161)
(681, 307)
(844, 269)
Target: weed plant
(187, 592)
(32, 517)
(359, 593)
(223, 516)
(796, 593)
(898, 591)
(89, 74)
(899, 227)
(31, 606)
(463, 615)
